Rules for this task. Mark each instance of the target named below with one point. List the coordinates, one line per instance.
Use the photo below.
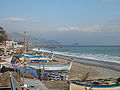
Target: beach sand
(78, 71)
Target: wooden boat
(5, 61)
(99, 84)
(37, 58)
(2, 63)
(63, 67)
(8, 59)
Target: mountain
(15, 36)
(75, 44)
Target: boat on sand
(60, 67)
(97, 84)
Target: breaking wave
(98, 57)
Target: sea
(97, 53)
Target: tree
(1, 38)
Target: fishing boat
(2, 63)
(61, 67)
(5, 63)
(37, 58)
(97, 84)
(8, 59)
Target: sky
(87, 22)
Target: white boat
(37, 58)
(100, 84)
(2, 63)
(5, 61)
(8, 59)
(63, 67)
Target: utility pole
(25, 41)
(5, 38)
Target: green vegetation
(1, 38)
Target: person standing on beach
(39, 49)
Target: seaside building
(11, 44)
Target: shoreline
(110, 71)
(78, 71)
(91, 62)
(87, 61)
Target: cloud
(71, 28)
(20, 20)
(110, 0)
(41, 25)
(91, 28)
(23, 24)
(14, 19)
(112, 25)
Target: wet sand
(80, 69)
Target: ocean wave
(98, 57)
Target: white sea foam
(98, 57)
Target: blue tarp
(31, 71)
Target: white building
(11, 44)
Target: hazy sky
(88, 22)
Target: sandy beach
(79, 70)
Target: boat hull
(58, 68)
(74, 86)
(36, 58)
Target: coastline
(79, 70)
(91, 62)
(111, 64)
(93, 67)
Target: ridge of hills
(15, 36)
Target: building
(11, 44)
